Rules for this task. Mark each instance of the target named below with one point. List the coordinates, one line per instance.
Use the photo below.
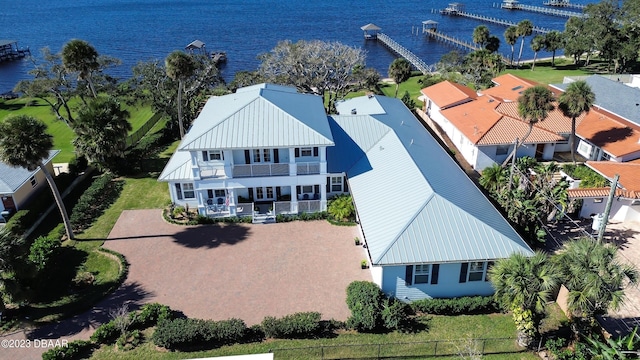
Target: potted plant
(356, 240)
(363, 264)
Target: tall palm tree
(511, 37)
(399, 71)
(79, 56)
(594, 276)
(537, 44)
(525, 28)
(101, 131)
(533, 106)
(481, 35)
(553, 41)
(179, 67)
(524, 284)
(575, 101)
(493, 178)
(25, 143)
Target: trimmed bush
(394, 314)
(180, 333)
(150, 314)
(79, 349)
(466, 305)
(98, 197)
(42, 250)
(298, 325)
(20, 222)
(364, 299)
(106, 333)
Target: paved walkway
(219, 272)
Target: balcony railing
(308, 206)
(307, 168)
(254, 170)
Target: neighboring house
(484, 126)
(626, 205)
(428, 229)
(611, 130)
(263, 147)
(18, 185)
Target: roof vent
(491, 100)
(411, 143)
(354, 111)
(517, 88)
(369, 95)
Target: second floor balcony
(257, 170)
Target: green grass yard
(544, 73)
(62, 134)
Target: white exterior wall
(448, 284)
(376, 275)
(621, 210)
(549, 150)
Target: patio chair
(211, 206)
(305, 197)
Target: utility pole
(513, 162)
(607, 208)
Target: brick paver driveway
(244, 271)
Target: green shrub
(180, 333)
(97, 198)
(394, 314)
(78, 349)
(57, 232)
(364, 299)
(106, 333)
(298, 325)
(42, 250)
(78, 165)
(150, 314)
(468, 305)
(19, 223)
(341, 208)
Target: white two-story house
(260, 151)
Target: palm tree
(101, 131)
(493, 44)
(553, 41)
(537, 44)
(511, 37)
(24, 142)
(79, 55)
(533, 106)
(575, 101)
(179, 67)
(481, 35)
(594, 276)
(399, 71)
(524, 285)
(525, 28)
(493, 178)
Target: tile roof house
(484, 126)
(626, 206)
(18, 185)
(611, 130)
(428, 229)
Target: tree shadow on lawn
(211, 236)
(133, 295)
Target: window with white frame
(259, 193)
(421, 274)
(476, 271)
(185, 191)
(34, 181)
(502, 149)
(584, 148)
(262, 155)
(307, 189)
(306, 151)
(220, 193)
(597, 201)
(216, 155)
(336, 184)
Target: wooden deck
(403, 52)
(451, 40)
(491, 20)
(541, 10)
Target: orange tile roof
(509, 87)
(507, 129)
(609, 132)
(447, 93)
(629, 173)
(555, 121)
(589, 193)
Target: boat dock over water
(513, 5)
(372, 32)
(457, 9)
(9, 51)
(564, 4)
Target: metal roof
(371, 27)
(260, 116)
(613, 96)
(12, 178)
(178, 167)
(414, 202)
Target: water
(143, 30)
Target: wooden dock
(451, 40)
(564, 4)
(491, 20)
(513, 5)
(9, 51)
(403, 52)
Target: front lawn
(544, 73)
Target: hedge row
(97, 198)
(149, 315)
(181, 333)
(79, 349)
(466, 305)
(298, 325)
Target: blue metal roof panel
(178, 167)
(12, 178)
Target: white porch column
(323, 197)
(231, 193)
(294, 199)
(194, 165)
(323, 159)
(228, 163)
(293, 170)
(201, 196)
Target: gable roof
(555, 121)
(12, 178)
(260, 116)
(508, 87)
(613, 96)
(178, 167)
(414, 203)
(447, 93)
(609, 132)
(629, 173)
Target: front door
(539, 151)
